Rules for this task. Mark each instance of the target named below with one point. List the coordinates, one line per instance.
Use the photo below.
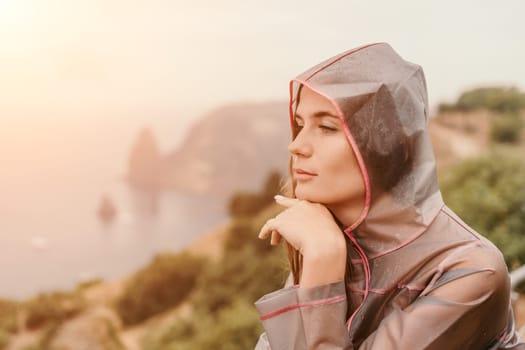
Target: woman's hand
(311, 229)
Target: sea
(53, 174)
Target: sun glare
(14, 13)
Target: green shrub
(244, 230)
(250, 267)
(244, 273)
(248, 203)
(446, 107)
(163, 284)
(8, 312)
(506, 127)
(4, 338)
(497, 99)
(245, 204)
(489, 194)
(235, 327)
(52, 308)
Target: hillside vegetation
(203, 298)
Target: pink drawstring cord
(366, 267)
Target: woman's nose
(300, 146)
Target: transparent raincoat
(417, 276)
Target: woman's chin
(306, 195)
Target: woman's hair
(294, 257)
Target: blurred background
(141, 144)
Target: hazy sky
(138, 58)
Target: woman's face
(325, 168)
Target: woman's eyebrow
(319, 114)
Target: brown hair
(294, 256)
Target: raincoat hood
(381, 101)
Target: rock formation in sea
(145, 162)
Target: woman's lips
(302, 175)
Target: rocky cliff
(231, 148)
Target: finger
(276, 238)
(266, 230)
(285, 201)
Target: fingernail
(278, 197)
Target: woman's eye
(327, 128)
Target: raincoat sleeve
(304, 318)
(463, 307)
(460, 309)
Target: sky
(174, 59)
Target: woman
(378, 261)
